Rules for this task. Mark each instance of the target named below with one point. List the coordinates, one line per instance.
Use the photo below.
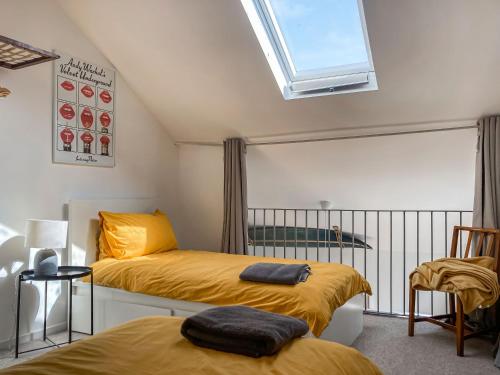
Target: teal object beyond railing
(301, 237)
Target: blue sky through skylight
(321, 34)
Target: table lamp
(46, 235)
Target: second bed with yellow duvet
(213, 279)
(141, 272)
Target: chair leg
(411, 320)
(459, 328)
(451, 299)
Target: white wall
(419, 171)
(416, 171)
(31, 185)
(201, 178)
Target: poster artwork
(84, 113)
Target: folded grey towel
(276, 273)
(242, 330)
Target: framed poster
(84, 113)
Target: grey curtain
(487, 202)
(235, 226)
(487, 184)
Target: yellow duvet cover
(213, 278)
(155, 346)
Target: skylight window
(314, 47)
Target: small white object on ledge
(46, 235)
(325, 205)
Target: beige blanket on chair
(472, 279)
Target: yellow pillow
(132, 235)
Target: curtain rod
(326, 139)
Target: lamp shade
(46, 234)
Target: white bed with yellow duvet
(154, 345)
(184, 282)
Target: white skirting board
(115, 306)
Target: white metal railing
(383, 245)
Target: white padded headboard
(84, 224)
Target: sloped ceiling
(199, 68)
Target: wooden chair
(488, 243)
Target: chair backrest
(486, 242)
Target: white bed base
(116, 306)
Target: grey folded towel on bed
(242, 330)
(276, 273)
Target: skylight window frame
(329, 81)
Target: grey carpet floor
(384, 341)
(430, 351)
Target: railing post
(378, 261)
(404, 262)
(317, 235)
(341, 244)
(284, 233)
(352, 239)
(329, 237)
(390, 262)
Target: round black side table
(64, 273)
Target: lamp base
(45, 262)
